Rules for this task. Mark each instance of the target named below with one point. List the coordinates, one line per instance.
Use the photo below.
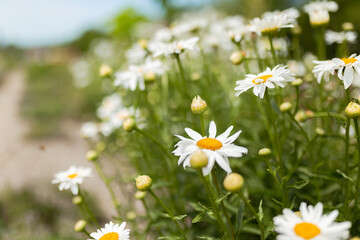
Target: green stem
(273, 50)
(182, 74)
(347, 144)
(356, 124)
(212, 201)
(109, 188)
(261, 66)
(253, 211)
(87, 209)
(202, 124)
(168, 212)
(86, 233)
(297, 99)
(217, 186)
(329, 114)
(320, 41)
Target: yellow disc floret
(306, 230)
(110, 236)
(262, 79)
(209, 143)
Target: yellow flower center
(72, 176)
(270, 30)
(262, 79)
(306, 230)
(348, 60)
(209, 143)
(110, 236)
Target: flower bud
(143, 182)
(149, 77)
(143, 43)
(319, 18)
(131, 215)
(140, 195)
(309, 113)
(297, 30)
(198, 106)
(320, 131)
(100, 146)
(300, 116)
(77, 200)
(198, 160)
(195, 76)
(233, 182)
(285, 106)
(347, 26)
(105, 70)
(129, 124)
(353, 110)
(297, 82)
(80, 226)
(92, 155)
(264, 152)
(236, 58)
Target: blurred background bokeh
(48, 88)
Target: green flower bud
(233, 182)
(143, 183)
(264, 152)
(198, 160)
(80, 226)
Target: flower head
(71, 178)
(319, 12)
(112, 231)
(310, 224)
(348, 69)
(217, 149)
(175, 47)
(271, 23)
(340, 37)
(269, 78)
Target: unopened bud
(347, 26)
(143, 43)
(198, 160)
(300, 116)
(297, 82)
(233, 182)
(285, 106)
(143, 183)
(80, 226)
(353, 109)
(140, 195)
(149, 76)
(198, 106)
(297, 30)
(105, 70)
(264, 152)
(320, 131)
(129, 124)
(131, 215)
(195, 76)
(92, 155)
(236, 58)
(77, 200)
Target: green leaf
(177, 218)
(344, 175)
(300, 184)
(261, 212)
(199, 217)
(208, 238)
(198, 206)
(169, 237)
(239, 217)
(218, 201)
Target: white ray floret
(112, 231)
(71, 178)
(217, 149)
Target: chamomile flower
(89, 130)
(319, 12)
(271, 23)
(310, 224)
(269, 78)
(217, 149)
(348, 69)
(108, 106)
(175, 47)
(340, 37)
(71, 178)
(112, 231)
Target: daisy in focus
(112, 231)
(71, 178)
(348, 69)
(267, 79)
(217, 149)
(310, 224)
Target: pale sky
(30, 23)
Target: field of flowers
(222, 127)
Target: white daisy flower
(89, 130)
(118, 117)
(340, 37)
(189, 26)
(271, 22)
(348, 69)
(112, 231)
(291, 13)
(108, 106)
(71, 178)
(310, 224)
(269, 78)
(135, 76)
(296, 67)
(135, 54)
(175, 47)
(217, 149)
(319, 11)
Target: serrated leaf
(300, 184)
(218, 201)
(344, 175)
(199, 217)
(261, 212)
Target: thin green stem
(297, 99)
(87, 209)
(86, 233)
(182, 74)
(273, 50)
(329, 114)
(347, 144)
(168, 212)
(356, 124)
(202, 124)
(320, 43)
(253, 211)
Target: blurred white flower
(175, 47)
(109, 105)
(269, 78)
(112, 231)
(134, 76)
(291, 13)
(89, 130)
(104, 49)
(348, 69)
(80, 71)
(189, 26)
(296, 67)
(71, 178)
(319, 11)
(117, 118)
(271, 23)
(217, 149)
(136, 54)
(339, 37)
(310, 224)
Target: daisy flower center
(262, 79)
(110, 236)
(306, 230)
(269, 30)
(209, 143)
(348, 60)
(72, 176)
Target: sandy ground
(28, 163)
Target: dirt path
(28, 163)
